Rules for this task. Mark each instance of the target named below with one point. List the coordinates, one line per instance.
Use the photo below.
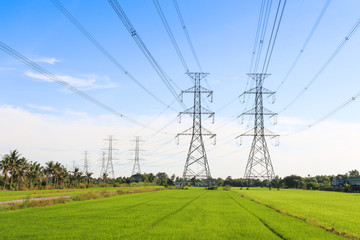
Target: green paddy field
(193, 214)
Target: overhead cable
(130, 28)
(326, 64)
(68, 86)
(105, 52)
(313, 29)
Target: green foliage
(311, 184)
(354, 173)
(293, 181)
(227, 188)
(25, 203)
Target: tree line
(319, 182)
(18, 173)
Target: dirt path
(35, 199)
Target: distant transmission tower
(136, 167)
(109, 167)
(259, 164)
(86, 164)
(196, 164)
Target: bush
(212, 188)
(25, 203)
(227, 188)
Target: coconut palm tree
(35, 174)
(77, 176)
(88, 176)
(21, 172)
(5, 168)
(49, 171)
(14, 159)
(60, 174)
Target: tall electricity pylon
(86, 164)
(136, 167)
(109, 167)
(259, 164)
(196, 164)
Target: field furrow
(332, 211)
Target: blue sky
(47, 122)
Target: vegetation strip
(176, 211)
(34, 199)
(28, 202)
(310, 221)
(262, 221)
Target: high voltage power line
(326, 64)
(329, 114)
(132, 31)
(259, 42)
(313, 29)
(83, 30)
(261, 28)
(187, 35)
(68, 86)
(264, 22)
(272, 40)
(170, 34)
(105, 52)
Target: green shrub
(227, 188)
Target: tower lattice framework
(197, 164)
(109, 167)
(86, 163)
(259, 165)
(136, 167)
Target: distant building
(353, 181)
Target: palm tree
(5, 167)
(21, 172)
(14, 157)
(88, 176)
(35, 174)
(49, 171)
(60, 174)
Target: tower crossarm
(188, 131)
(255, 91)
(201, 90)
(206, 132)
(253, 112)
(266, 133)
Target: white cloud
(86, 82)
(47, 60)
(42, 108)
(329, 148)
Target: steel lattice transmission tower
(136, 167)
(86, 163)
(259, 165)
(196, 164)
(109, 167)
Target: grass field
(333, 210)
(173, 214)
(14, 195)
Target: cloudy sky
(315, 57)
